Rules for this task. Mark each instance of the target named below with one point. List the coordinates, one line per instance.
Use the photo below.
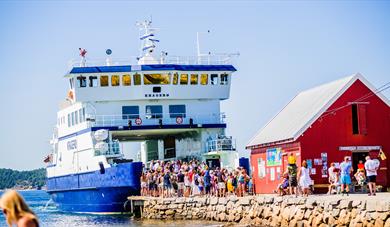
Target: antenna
(198, 46)
(148, 41)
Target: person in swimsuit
(16, 210)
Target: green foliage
(12, 178)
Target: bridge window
(104, 81)
(214, 79)
(156, 79)
(175, 78)
(153, 112)
(204, 79)
(130, 112)
(82, 81)
(224, 79)
(177, 111)
(184, 79)
(76, 117)
(137, 79)
(194, 79)
(115, 80)
(81, 115)
(71, 83)
(93, 82)
(126, 80)
(68, 120)
(72, 114)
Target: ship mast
(148, 42)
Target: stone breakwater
(357, 210)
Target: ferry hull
(96, 191)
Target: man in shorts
(345, 178)
(371, 167)
(292, 178)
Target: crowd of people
(340, 178)
(297, 181)
(193, 178)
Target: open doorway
(169, 147)
(358, 156)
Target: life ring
(138, 121)
(179, 120)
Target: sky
(285, 47)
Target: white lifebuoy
(138, 121)
(179, 120)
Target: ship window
(76, 117)
(130, 112)
(214, 79)
(224, 79)
(204, 79)
(175, 78)
(184, 79)
(194, 79)
(126, 80)
(137, 79)
(156, 79)
(115, 80)
(71, 80)
(104, 81)
(93, 82)
(72, 118)
(153, 112)
(81, 115)
(177, 111)
(68, 120)
(82, 81)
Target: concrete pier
(270, 210)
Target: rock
(310, 203)
(335, 212)
(286, 213)
(244, 201)
(382, 206)
(307, 214)
(260, 200)
(221, 217)
(370, 205)
(222, 201)
(292, 223)
(278, 199)
(213, 201)
(345, 204)
(221, 208)
(378, 223)
(356, 203)
(383, 216)
(268, 200)
(387, 223)
(169, 212)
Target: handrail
(224, 144)
(154, 119)
(210, 59)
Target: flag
(382, 155)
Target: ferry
(170, 105)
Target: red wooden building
(346, 117)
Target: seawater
(49, 216)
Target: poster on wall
(313, 171)
(317, 161)
(272, 174)
(324, 171)
(309, 163)
(261, 167)
(278, 173)
(274, 156)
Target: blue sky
(285, 47)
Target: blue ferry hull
(95, 191)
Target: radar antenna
(147, 37)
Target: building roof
(155, 67)
(304, 109)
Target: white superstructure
(170, 104)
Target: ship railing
(206, 59)
(154, 119)
(223, 144)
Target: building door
(358, 157)
(213, 163)
(169, 147)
